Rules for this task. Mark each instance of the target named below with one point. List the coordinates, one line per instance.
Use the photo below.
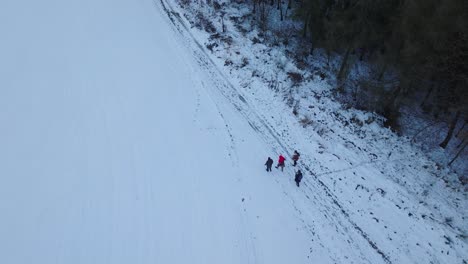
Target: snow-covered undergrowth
(395, 197)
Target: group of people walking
(281, 160)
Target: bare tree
(453, 124)
(465, 143)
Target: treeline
(417, 48)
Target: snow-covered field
(123, 140)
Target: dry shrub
(306, 121)
(296, 78)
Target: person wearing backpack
(295, 157)
(268, 164)
(298, 177)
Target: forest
(417, 52)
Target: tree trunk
(463, 141)
(461, 129)
(382, 71)
(281, 13)
(391, 110)
(429, 92)
(450, 131)
(458, 154)
(395, 95)
(421, 130)
(362, 52)
(306, 23)
(222, 22)
(343, 64)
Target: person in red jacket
(281, 160)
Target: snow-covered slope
(386, 193)
(121, 142)
(113, 151)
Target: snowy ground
(393, 196)
(124, 141)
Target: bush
(256, 40)
(392, 119)
(228, 62)
(306, 121)
(216, 5)
(204, 23)
(245, 62)
(356, 121)
(463, 179)
(296, 78)
(210, 46)
(227, 39)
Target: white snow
(123, 141)
(114, 152)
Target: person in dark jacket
(295, 157)
(268, 164)
(298, 177)
(281, 160)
